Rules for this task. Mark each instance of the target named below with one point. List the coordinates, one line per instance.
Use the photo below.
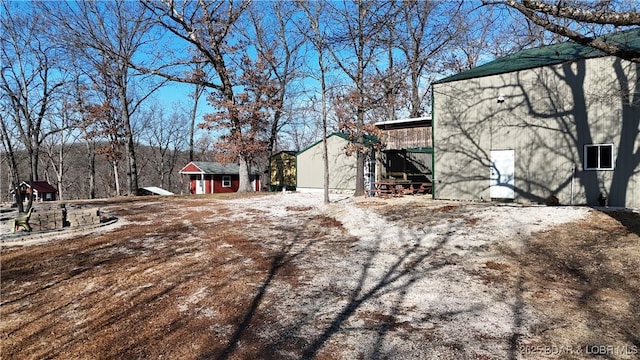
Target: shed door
(501, 174)
(199, 184)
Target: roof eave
(555, 54)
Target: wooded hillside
(154, 170)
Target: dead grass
(201, 286)
(584, 280)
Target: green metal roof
(546, 55)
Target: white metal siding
(547, 116)
(342, 168)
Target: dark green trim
(369, 140)
(422, 150)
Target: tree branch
(583, 15)
(596, 43)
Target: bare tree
(388, 81)
(552, 17)
(196, 95)
(318, 38)
(86, 129)
(108, 35)
(272, 37)
(7, 144)
(30, 77)
(423, 34)
(96, 114)
(166, 138)
(56, 146)
(473, 39)
(355, 28)
(101, 121)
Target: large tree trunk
(31, 195)
(34, 155)
(273, 136)
(243, 172)
(132, 167)
(359, 174)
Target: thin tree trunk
(34, 151)
(116, 178)
(272, 143)
(31, 195)
(162, 173)
(391, 90)
(59, 169)
(194, 112)
(92, 171)
(325, 148)
(132, 167)
(13, 166)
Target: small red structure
(42, 191)
(213, 177)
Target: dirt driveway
(282, 276)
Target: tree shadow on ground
(630, 220)
(370, 282)
(282, 258)
(212, 288)
(581, 281)
(397, 278)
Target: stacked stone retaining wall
(83, 217)
(47, 220)
(50, 218)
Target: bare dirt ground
(283, 276)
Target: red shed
(211, 177)
(42, 190)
